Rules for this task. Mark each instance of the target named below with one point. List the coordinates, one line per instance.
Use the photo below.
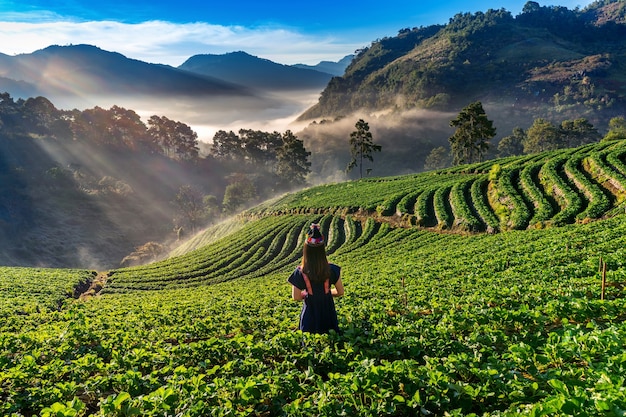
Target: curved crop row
(406, 205)
(368, 231)
(443, 211)
(606, 173)
(464, 216)
(263, 241)
(336, 234)
(388, 207)
(424, 208)
(478, 194)
(570, 202)
(353, 230)
(615, 159)
(599, 203)
(529, 183)
(519, 214)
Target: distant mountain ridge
(236, 87)
(86, 69)
(330, 67)
(245, 69)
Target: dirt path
(96, 285)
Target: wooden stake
(600, 265)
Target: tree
(473, 131)
(175, 139)
(91, 126)
(260, 147)
(227, 146)
(190, 208)
(531, 7)
(617, 129)
(126, 128)
(292, 164)
(211, 207)
(542, 136)
(186, 142)
(513, 144)
(39, 116)
(437, 159)
(238, 193)
(578, 132)
(361, 146)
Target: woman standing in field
(312, 281)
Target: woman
(312, 281)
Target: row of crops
(553, 188)
(433, 324)
(27, 290)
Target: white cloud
(170, 43)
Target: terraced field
(552, 188)
(475, 291)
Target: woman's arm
(338, 291)
(296, 293)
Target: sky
(169, 32)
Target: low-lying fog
(266, 111)
(406, 137)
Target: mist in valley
(121, 201)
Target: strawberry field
(475, 299)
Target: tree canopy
(362, 146)
(473, 132)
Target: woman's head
(314, 237)
(314, 262)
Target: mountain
(84, 69)
(545, 62)
(258, 73)
(330, 67)
(84, 76)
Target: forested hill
(544, 62)
(89, 187)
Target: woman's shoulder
(335, 271)
(296, 278)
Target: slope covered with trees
(548, 61)
(527, 322)
(88, 187)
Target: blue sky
(169, 32)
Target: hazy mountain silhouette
(85, 69)
(251, 71)
(330, 67)
(84, 76)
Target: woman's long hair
(314, 263)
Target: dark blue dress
(318, 309)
